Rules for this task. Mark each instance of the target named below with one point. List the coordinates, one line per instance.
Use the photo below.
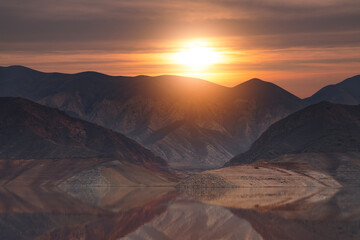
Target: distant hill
(320, 128)
(189, 122)
(43, 144)
(345, 92)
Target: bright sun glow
(197, 54)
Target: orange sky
(299, 45)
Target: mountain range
(191, 123)
(188, 122)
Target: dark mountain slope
(30, 130)
(323, 127)
(345, 92)
(189, 122)
(44, 145)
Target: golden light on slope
(197, 55)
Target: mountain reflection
(165, 213)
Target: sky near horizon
(301, 45)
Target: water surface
(166, 213)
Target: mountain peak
(256, 85)
(93, 74)
(142, 76)
(19, 68)
(345, 92)
(264, 92)
(256, 80)
(253, 81)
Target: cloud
(90, 21)
(306, 37)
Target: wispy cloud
(133, 36)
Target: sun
(197, 54)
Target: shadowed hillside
(324, 127)
(41, 145)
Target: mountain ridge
(188, 122)
(345, 92)
(322, 127)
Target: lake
(168, 213)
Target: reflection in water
(262, 198)
(164, 213)
(194, 220)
